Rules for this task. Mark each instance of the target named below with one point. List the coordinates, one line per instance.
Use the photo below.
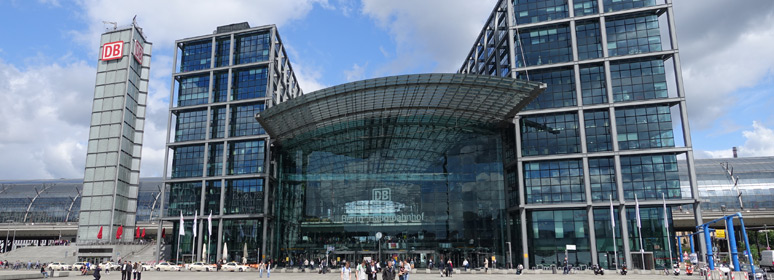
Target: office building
(112, 174)
(218, 153)
(612, 125)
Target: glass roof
(414, 105)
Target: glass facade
(612, 110)
(554, 181)
(230, 151)
(550, 134)
(551, 232)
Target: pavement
(252, 275)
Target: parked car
(78, 266)
(110, 266)
(758, 272)
(58, 266)
(165, 266)
(233, 266)
(200, 266)
(146, 267)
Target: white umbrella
(244, 254)
(225, 251)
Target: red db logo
(113, 50)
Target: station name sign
(112, 50)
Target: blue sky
(48, 57)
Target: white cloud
(45, 120)
(758, 143)
(723, 49)
(356, 73)
(442, 31)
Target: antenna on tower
(115, 24)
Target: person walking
(486, 265)
(449, 268)
(360, 271)
(371, 270)
(346, 272)
(407, 266)
(465, 264)
(388, 273)
(268, 269)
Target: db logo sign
(113, 50)
(381, 194)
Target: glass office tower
(112, 176)
(611, 125)
(217, 152)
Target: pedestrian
(268, 269)
(125, 268)
(465, 264)
(449, 268)
(261, 267)
(137, 271)
(401, 271)
(441, 267)
(306, 264)
(407, 266)
(486, 265)
(43, 271)
(360, 272)
(371, 270)
(519, 269)
(388, 273)
(346, 272)
(96, 272)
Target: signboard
(721, 233)
(138, 51)
(571, 247)
(112, 50)
(392, 245)
(378, 235)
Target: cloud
(45, 120)
(723, 49)
(758, 143)
(439, 31)
(356, 73)
(166, 21)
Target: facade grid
(613, 74)
(220, 82)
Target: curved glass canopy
(453, 100)
(416, 157)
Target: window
(251, 48)
(212, 199)
(593, 85)
(560, 92)
(220, 87)
(218, 122)
(554, 181)
(222, 50)
(544, 45)
(244, 196)
(196, 56)
(215, 161)
(589, 39)
(634, 35)
(617, 5)
(649, 176)
(191, 125)
(644, 127)
(550, 134)
(584, 7)
(184, 197)
(529, 11)
(246, 157)
(187, 161)
(597, 131)
(602, 177)
(249, 83)
(638, 80)
(193, 90)
(243, 121)
(553, 230)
